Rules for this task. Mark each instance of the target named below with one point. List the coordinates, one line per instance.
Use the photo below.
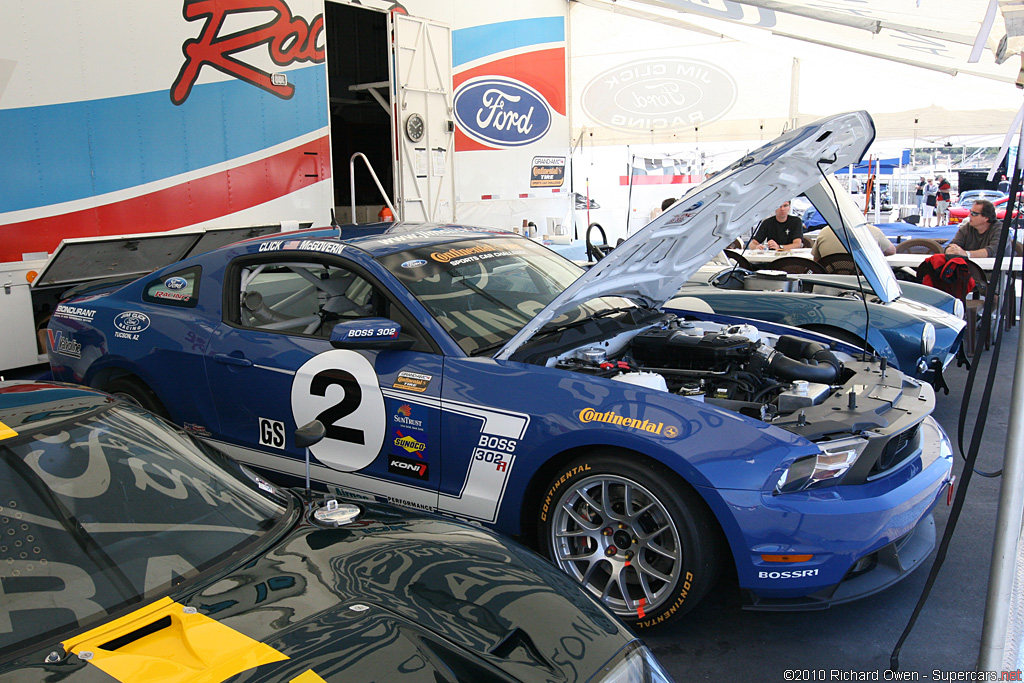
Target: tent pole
(1008, 519)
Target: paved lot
(719, 641)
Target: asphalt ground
(719, 641)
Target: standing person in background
(1004, 186)
(781, 231)
(919, 196)
(942, 200)
(930, 190)
(854, 185)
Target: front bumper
(861, 538)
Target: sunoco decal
(410, 443)
(611, 417)
(661, 94)
(501, 112)
(130, 324)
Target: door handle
(227, 359)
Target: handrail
(352, 185)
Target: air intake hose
(797, 358)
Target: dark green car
(131, 552)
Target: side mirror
(310, 434)
(369, 333)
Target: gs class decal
(339, 388)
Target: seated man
(780, 231)
(828, 243)
(978, 236)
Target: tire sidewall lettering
(368, 416)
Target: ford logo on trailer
(501, 112)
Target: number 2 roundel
(340, 389)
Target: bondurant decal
(501, 112)
(659, 94)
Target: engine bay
(736, 366)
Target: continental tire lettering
(579, 469)
(446, 256)
(683, 593)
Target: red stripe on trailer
(189, 203)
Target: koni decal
(288, 38)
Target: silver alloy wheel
(618, 540)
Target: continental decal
(611, 417)
(446, 256)
(579, 469)
(683, 593)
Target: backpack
(951, 275)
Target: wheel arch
(533, 499)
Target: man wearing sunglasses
(978, 236)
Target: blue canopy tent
(879, 166)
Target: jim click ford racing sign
(501, 112)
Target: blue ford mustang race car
(476, 373)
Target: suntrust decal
(659, 94)
(501, 111)
(287, 37)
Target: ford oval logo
(501, 112)
(175, 283)
(416, 263)
(131, 322)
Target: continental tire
(633, 535)
(135, 391)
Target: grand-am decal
(339, 388)
(129, 324)
(501, 112)
(63, 344)
(84, 315)
(412, 381)
(288, 38)
(611, 417)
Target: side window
(303, 298)
(177, 289)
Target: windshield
(482, 291)
(107, 510)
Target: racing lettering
(796, 574)
(271, 433)
(347, 406)
(551, 493)
(288, 38)
(687, 584)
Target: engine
(732, 366)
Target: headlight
(827, 467)
(633, 664)
(927, 339)
(958, 308)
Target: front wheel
(643, 543)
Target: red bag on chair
(951, 275)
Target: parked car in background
(133, 552)
(917, 328)
(959, 212)
(474, 372)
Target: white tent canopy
(749, 69)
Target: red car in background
(960, 211)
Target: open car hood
(847, 222)
(651, 265)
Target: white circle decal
(339, 388)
